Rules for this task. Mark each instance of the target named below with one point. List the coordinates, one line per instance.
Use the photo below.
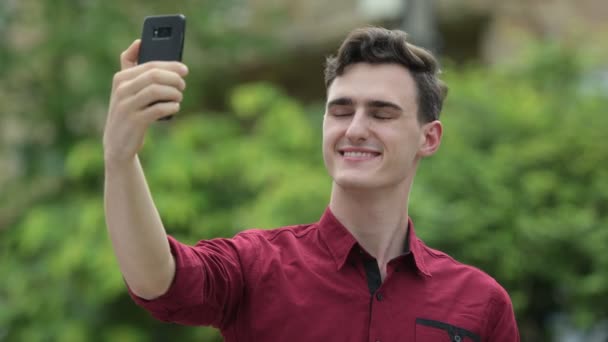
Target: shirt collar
(340, 241)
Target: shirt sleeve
(207, 286)
(502, 326)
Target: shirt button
(379, 296)
(457, 338)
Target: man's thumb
(128, 58)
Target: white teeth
(356, 154)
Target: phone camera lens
(161, 32)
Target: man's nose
(358, 128)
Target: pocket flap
(428, 328)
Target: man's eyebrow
(341, 101)
(383, 104)
(345, 101)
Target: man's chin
(356, 183)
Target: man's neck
(376, 218)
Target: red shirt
(315, 283)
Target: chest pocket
(435, 331)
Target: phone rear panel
(162, 38)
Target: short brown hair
(377, 45)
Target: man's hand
(141, 94)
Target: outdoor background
(519, 187)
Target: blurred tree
(58, 61)
(520, 188)
(59, 58)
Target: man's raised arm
(141, 94)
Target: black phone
(162, 39)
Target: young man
(360, 273)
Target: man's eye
(341, 113)
(382, 116)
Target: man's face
(371, 134)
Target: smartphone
(162, 39)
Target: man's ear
(430, 138)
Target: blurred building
(462, 31)
(490, 31)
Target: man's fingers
(132, 73)
(154, 93)
(154, 76)
(159, 110)
(128, 58)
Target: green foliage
(212, 174)
(519, 187)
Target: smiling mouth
(358, 154)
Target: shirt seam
(432, 253)
(488, 311)
(232, 328)
(306, 229)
